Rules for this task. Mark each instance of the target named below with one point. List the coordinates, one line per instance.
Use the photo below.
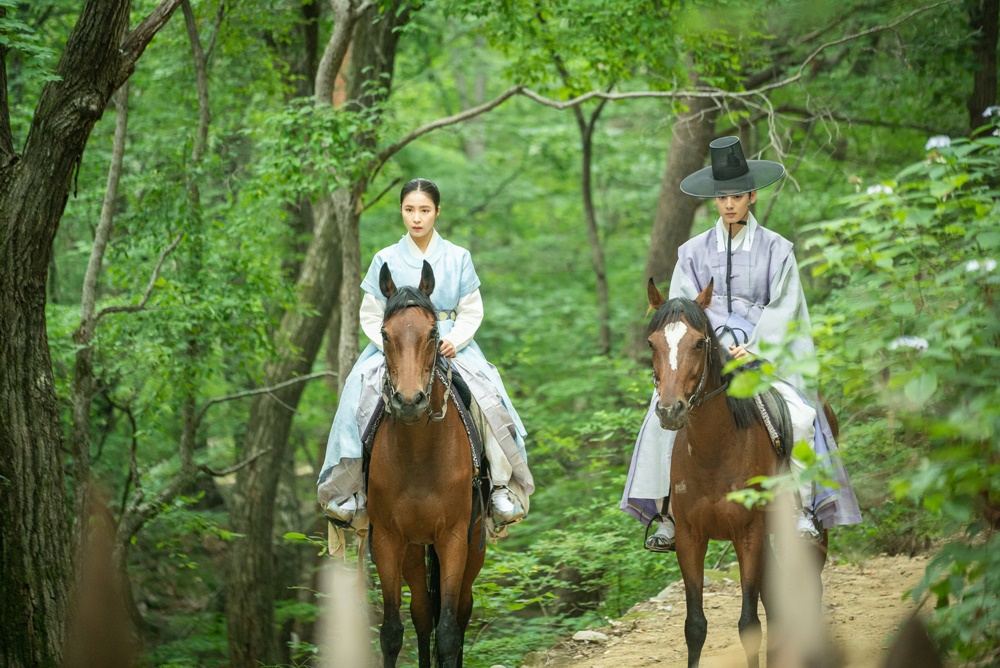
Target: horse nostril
(678, 407)
(419, 399)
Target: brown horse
(420, 486)
(720, 445)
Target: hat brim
(760, 174)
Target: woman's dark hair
(421, 186)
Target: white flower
(989, 111)
(938, 141)
(915, 342)
(879, 189)
(987, 265)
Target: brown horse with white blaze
(721, 444)
(420, 486)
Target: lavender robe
(767, 301)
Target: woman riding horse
(459, 307)
(758, 299)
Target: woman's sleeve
(370, 282)
(469, 281)
(371, 318)
(468, 318)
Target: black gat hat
(731, 173)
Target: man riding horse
(758, 300)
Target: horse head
(410, 342)
(683, 345)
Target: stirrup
(505, 518)
(658, 542)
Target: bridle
(389, 390)
(697, 399)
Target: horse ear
(704, 299)
(385, 282)
(426, 279)
(656, 299)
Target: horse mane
(743, 409)
(405, 297)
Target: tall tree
(37, 566)
(984, 19)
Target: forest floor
(863, 603)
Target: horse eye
(700, 344)
(385, 337)
(434, 334)
(650, 344)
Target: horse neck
(711, 427)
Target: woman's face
(419, 214)
(734, 208)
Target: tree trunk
(984, 19)
(586, 127)
(692, 132)
(251, 574)
(36, 563)
(372, 62)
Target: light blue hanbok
(454, 278)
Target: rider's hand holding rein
(447, 348)
(738, 352)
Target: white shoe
(505, 510)
(805, 526)
(351, 513)
(662, 539)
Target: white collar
(744, 237)
(411, 245)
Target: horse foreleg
(750, 553)
(449, 635)
(388, 560)
(421, 610)
(691, 557)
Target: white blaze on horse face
(673, 333)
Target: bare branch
(139, 39)
(149, 288)
(370, 203)
(708, 92)
(106, 223)
(235, 467)
(219, 17)
(391, 150)
(261, 390)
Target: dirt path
(863, 603)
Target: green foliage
(308, 149)
(569, 568)
(962, 580)
(898, 263)
(917, 261)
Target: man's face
(735, 208)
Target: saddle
(773, 414)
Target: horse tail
(434, 583)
